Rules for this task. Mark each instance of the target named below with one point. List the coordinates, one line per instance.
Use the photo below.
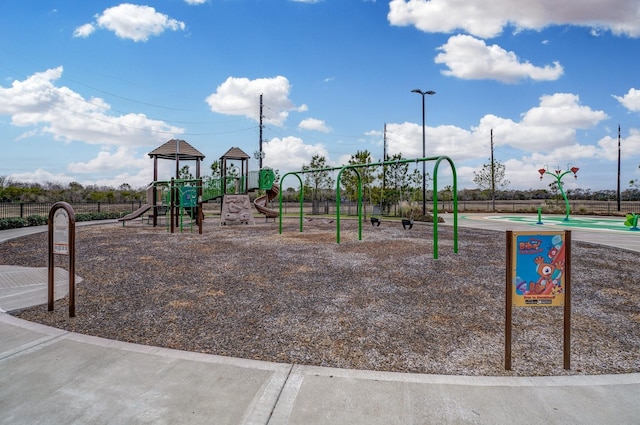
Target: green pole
(435, 205)
(564, 195)
(438, 159)
(301, 199)
(353, 167)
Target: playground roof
(235, 153)
(177, 149)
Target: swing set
(407, 222)
(376, 221)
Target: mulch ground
(382, 303)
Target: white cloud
(195, 2)
(41, 176)
(549, 126)
(240, 96)
(631, 100)
(130, 21)
(406, 138)
(545, 134)
(84, 31)
(488, 19)
(472, 59)
(313, 124)
(106, 161)
(290, 153)
(629, 145)
(67, 116)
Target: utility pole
(261, 127)
(384, 167)
(618, 168)
(493, 177)
(384, 157)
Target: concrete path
(51, 376)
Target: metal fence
(26, 209)
(528, 206)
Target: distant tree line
(398, 182)
(381, 185)
(14, 191)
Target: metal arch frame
(355, 167)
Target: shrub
(13, 223)
(98, 216)
(37, 220)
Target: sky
(89, 88)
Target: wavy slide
(261, 202)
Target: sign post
(538, 274)
(62, 241)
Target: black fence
(503, 207)
(26, 209)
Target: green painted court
(593, 223)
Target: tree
(397, 180)
(185, 173)
(490, 181)
(317, 180)
(215, 169)
(349, 178)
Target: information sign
(538, 268)
(61, 232)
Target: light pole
(424, 154)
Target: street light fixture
(424, 154)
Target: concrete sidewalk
(51, 376)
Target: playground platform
(49, 375)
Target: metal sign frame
(62, 222)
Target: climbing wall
(236, 209)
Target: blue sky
(89, 88)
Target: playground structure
(632, 221)
(558, 175)
(181, 199)
(375, 221)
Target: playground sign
(61, 232)
(538, 274)
(62, 240)
(538, 268)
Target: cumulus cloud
(313, 124)
(240, 96)
(549, 128)
(68, 116)
(84, 31)
(488, 19)
(130, 21)
(289, 153)
(107, 162)
(544, 134)
(631, 100)
(40, 176)
(470, 58)
(195, 2)
(630, 145)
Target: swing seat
(375, 221)
(406, 223)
